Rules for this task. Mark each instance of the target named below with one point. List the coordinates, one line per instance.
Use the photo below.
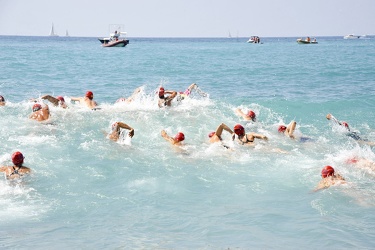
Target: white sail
(52, 33)
(66, 33)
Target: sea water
(87, 192)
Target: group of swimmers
(41, 113)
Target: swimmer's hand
(131, 133)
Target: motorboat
(307, 40)
(114, 40)
(254, 39)
(351, 36)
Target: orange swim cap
(89, 95)
(327, 171)
(179, 136)
(17, 158)
(239, 130)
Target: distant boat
(254, 39)
(229, 35)
(66, 33)
(351, 36)
(306, 41)
(114, 40)
(52, 33)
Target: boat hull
(300, 41)
(119, 43)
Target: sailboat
(66, 33)
(52, 33)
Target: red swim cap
(161, 92)
(179, 136)
(251, 114)
(17, 158)
(281, 129)
(36, 107)
(2, 98)
(211, 134)
(89, 95)
(60, 98)
(327, 171)
(345, 124)
(239, 130)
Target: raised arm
(126, 126)
(167, 137)
(51, 99)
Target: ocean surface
(88, 192)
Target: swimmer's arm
(167, 137)
(76, 99)
(172, 94)
(126, 126)
(3, 168)
(52, 99)
(259, 136)
(242, 114)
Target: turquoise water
(89, 192)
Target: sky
(189, 18)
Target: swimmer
(179, 137)
(116, 130)
(17, 170)
(187, 92)
(215, 136)
(166, 100)
(362, 163)
(249, 138)
(2, 100)
(130, 98)
(40, 113)
(57, 101)
(329, 178)
(349, 133)
(288, 130)
(87, 100)
(249, 116)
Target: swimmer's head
(60, 98)
(327, 171)
(239, 130)
(2, 98)
(89, 95)
(161, 92)
(17, 158)
(252, 115)
(211, 134)
(345, 124)
(281, 129)
(179, 136)
(36, 107)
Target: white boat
(307, 40)
(67, 33)
(254, 39)
(114, 40)
(351, 36)
(52, 33)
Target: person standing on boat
(40, 113)
(17, 170)
(166, 100)
(116, 130)
(2, 100)
(249, 116)
(88, 100)
(58, 101)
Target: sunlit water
(88, 192)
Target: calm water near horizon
(87, 192)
